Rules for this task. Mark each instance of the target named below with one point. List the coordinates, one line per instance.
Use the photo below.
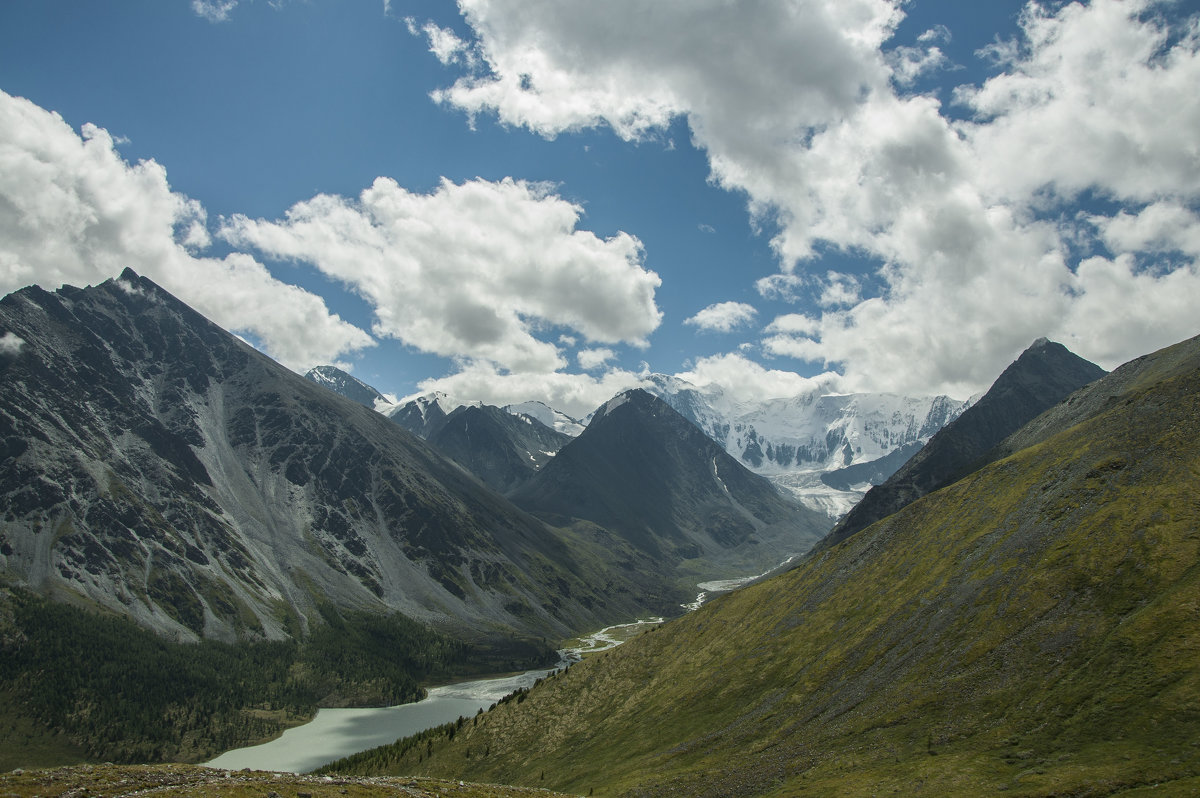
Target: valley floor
(170, 780)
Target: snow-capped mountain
(796, 440)
(348, 386)
(802, 443)
(424, 415)
(554, 419)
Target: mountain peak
(637, 396)
(1043, 375)
(645, 473)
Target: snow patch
(543, 413)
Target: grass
(186, 780)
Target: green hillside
(1032, 629)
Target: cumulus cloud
(1159, 227)
(723, 317)
(910, 63)
(473, 271)
(592, 359)
(11, 343)
(560, 66)
(802, 107)
(73, 211)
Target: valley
(202, 549)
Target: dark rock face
(1044, 375)
(502, 449)
(645, 473)
(348, 386)
(154, 464)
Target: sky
(548, 199)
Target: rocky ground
(114, 781)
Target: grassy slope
(1031, 628)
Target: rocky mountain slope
(1028, 629)
(642, 471)
(1040, 378)
(155, 465)
(502, 449)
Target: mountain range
(155, 465)
(1027, 629)
(824, 449)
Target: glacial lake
(335, 733)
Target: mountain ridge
(1041, 377)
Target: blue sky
(771, 196)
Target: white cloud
(214, 10)
(840, 290)
(573, 394)
(743, 379)
(444, 43)
(592, 359)
(472, 271)
(785, 287)
(800, 106)
(910, 63)
(723, 317)
(559, 66)
(73, 211)
(1159, 227)
(1098, 98)
(11, 343)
